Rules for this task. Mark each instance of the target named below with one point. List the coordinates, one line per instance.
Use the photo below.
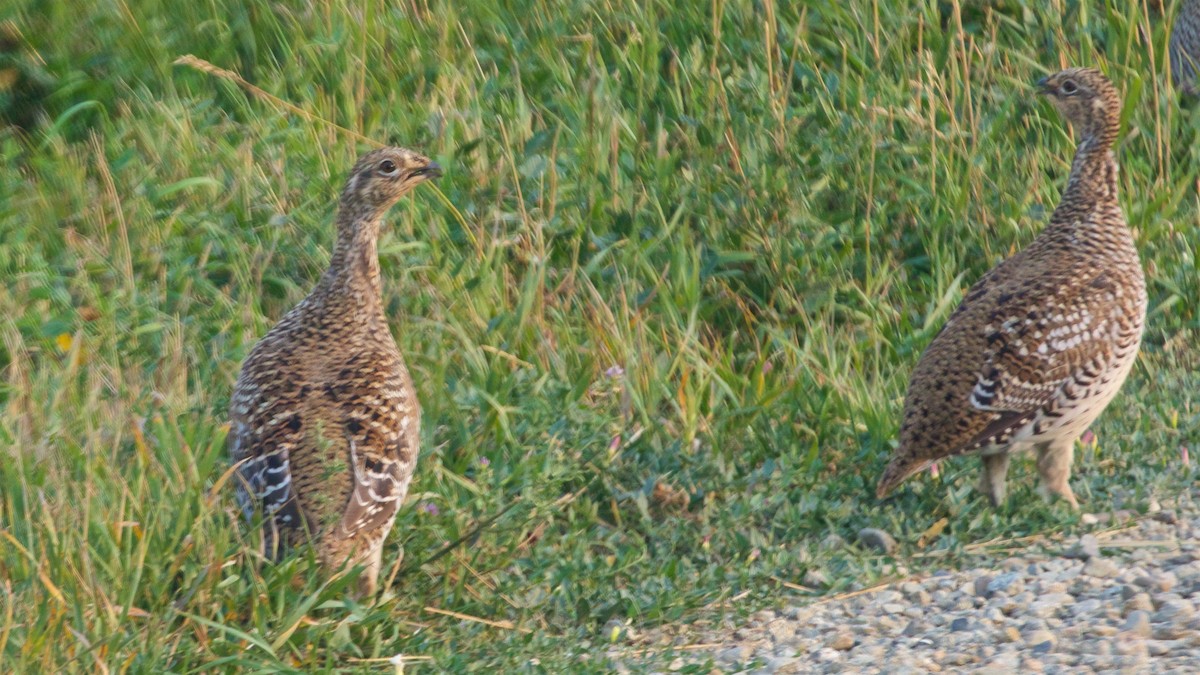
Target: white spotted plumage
(325, 420)
(1041, 343)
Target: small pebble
(1167, 516)
(1009, 582)
(1137, 624)
(1141, 602)
(842, 642)
(1101, 568)
(1158, 647)
(876, 539)
(1085, 549)
(734, 654)
(1174, 611)
(1041, 641)
(980, 586)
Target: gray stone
(1085, 549)
(781, 630)
(1168, 516)
(876, 539)
(1159, 647)
(1040, 641)
(887, 596)
(1171, 631)
(800, 614)
(1163, 581)
(980, 586)
(842, 641)
(828, 654)
(736, 654)
(774, 664)
(1009, 582)
(1031, 625)
(1137, 624)
(1043, 647)
(1139, 602)
(960, 625)
(1142, 554)
(1174, 611)
(1032, 665)
(1101, 568)
(1048, 605)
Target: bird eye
(387, 167)
(1069, 87)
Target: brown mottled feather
(1042, 342)
(1184, 47)
(324, 416)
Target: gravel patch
(1123, 601)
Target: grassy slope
(761, 213)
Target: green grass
(760, 211)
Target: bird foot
(1063, 492)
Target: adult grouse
(324, 417)
(1042, 342)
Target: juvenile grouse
(324, 417)
(1184, 47)
(1042, 342)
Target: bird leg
(1054, 465)
(368, 583)
(992, 477)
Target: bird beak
(429, 171)
(1043, 86)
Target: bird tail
(899, 470)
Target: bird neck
(1093, 180)
(354, 266)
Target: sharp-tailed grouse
(1042, 342)
(324, 417)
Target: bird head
(1086, 98)
(383, 176)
